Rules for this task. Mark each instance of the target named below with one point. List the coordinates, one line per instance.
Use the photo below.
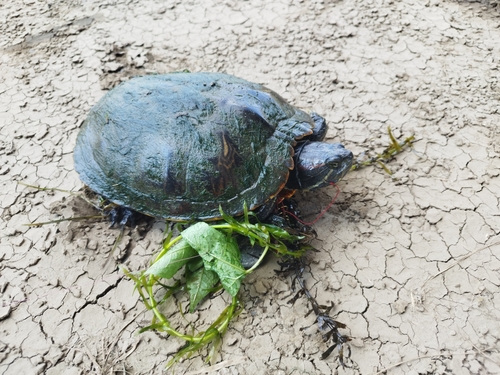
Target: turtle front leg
(320, 128)
(122, 216)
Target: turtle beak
(340, 165)
(347, 163)
(319, 164)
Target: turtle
(184, 146)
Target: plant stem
(259, 261)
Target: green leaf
(195, 264)
(168, 265)
(220, 254)
(281, 233)
(199, 283)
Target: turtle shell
(178, 146)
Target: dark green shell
(179, 145)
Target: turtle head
(318, 164)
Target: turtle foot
(122, 216)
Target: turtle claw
(122, 216)
(320, 128)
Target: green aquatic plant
(210, 257)
(388, 153)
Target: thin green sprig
(74, 218)
(393, 149)
(99, 203)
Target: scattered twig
(219, 366)
(479, 350)
(426, 356)
(78, 218)
(118, 335)
(459, 260)
(47, 188)
(92, 358)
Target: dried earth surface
(411, 262)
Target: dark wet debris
(329, 328)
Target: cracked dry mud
(411, 263)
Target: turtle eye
(333, 164)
